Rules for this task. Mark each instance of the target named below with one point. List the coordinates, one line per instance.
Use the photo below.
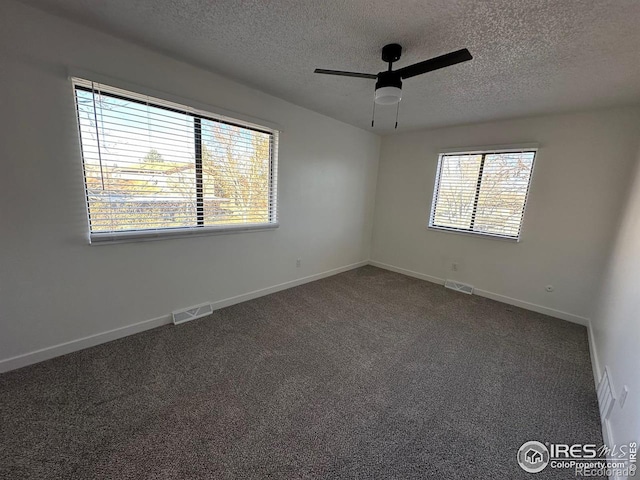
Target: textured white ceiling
(530, 56)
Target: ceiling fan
(389, 83)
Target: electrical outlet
(298, 262)
(549, 288)
(454, 267)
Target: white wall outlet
(454, 267)
(549, 288)
(623, 395)
(298, 262)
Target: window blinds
(482, 192)
(153, 166)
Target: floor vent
(459, 287)
(606, 398)
(192, 313)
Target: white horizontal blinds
(483, 192)
(503, 193)
(139, 163)
(153, 165)
(236, 168)
(456, 190)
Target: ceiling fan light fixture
(388, 95)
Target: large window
(482, 192)
(153, 167)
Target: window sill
(153, 235)
(474, 234)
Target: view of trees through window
(482, 192)
(148, 167)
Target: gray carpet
(367, 374)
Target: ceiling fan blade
(346, 74)
(436, 63)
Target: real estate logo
(585, 459)
(533, 457)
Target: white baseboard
(47, 353)
(552, 312)
(409, 273)
(92, 340)
(607, 433)
(227, 302)
(493, 296)
(593, 352)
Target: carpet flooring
(366, 374)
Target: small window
(156, 168)
(482, 192)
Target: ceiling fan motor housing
(388, 88)
(391, 53)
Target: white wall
(55, 288)
(616, 324)
(579, 181)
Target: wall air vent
(459, 287)
(191, 313)
(606, 397)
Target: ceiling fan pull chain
(397, 110)
(373, 115)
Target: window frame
(484, 151)
(201, 112)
